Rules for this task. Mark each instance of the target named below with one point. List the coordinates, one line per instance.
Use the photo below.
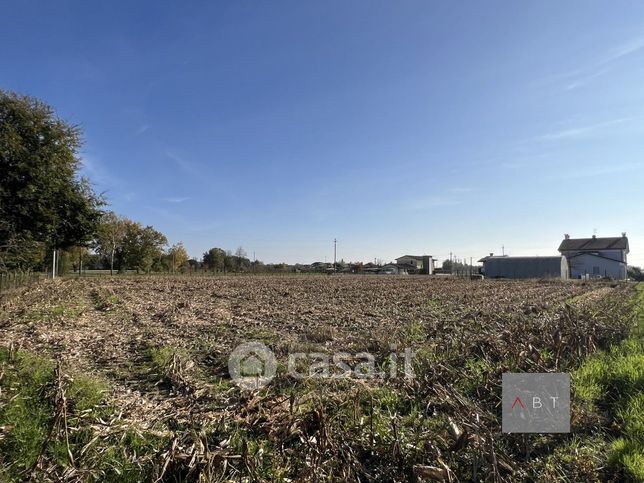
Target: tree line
(49, 213)
(48, 210)
(218, 260)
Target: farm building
(392, 269)
(596, 257)
(416, 264)
(524, 267)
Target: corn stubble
(171, 412)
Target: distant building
(416, 264)
(370, 268)
(321, 266)
(392, 269)
(596, 257)
(524, 267)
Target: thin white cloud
(586, 79)
(582, 131)
(627, 48)
(175, 199)
(187, 166)
(603, 170)
(521, 162)
(142, 128)
(577, 78)
(556, 78)
(97, 172)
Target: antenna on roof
(594, 231)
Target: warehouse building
(524, 267)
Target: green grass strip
(612, 383)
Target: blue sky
(396, 127)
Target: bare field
(159, 347)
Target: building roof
(491, 256)
(417, 257)
(594, 244)
(518, 259)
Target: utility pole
(335, 250)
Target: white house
(417, 264)
(596, 257)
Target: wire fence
(13, 280)
(186, 274)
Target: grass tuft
(28, 388)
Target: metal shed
(525, 267)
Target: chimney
(491, 254)
(594, 237)
(567, 236)
(623, 234)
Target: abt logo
(536, 403)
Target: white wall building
(416, 263)
(596, 257)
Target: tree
(635, 273)
(194, 264)
(282, 267)
(177, 257)
(214, 259)
(142, 247)
(79, 257)
(229, 262)
(43, 201)
(240, 255)
(110, 236)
